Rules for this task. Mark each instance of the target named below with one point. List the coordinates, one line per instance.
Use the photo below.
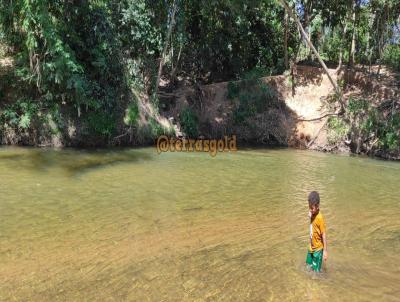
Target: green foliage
(337, 130)
(138, 20)
(155, 128)
(228, 38)
(65, 53)
(389, 132)
(101, 123)
(151, 130)
(258, 72)
(371, 122)
(233, 90)
(189, 122)
(331, 45)
(131, 114)
(20, 114)
(55, 119)
(250, 97)
(382, 125)
(392, 56)
(356, 106)
(140, 34)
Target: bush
(189, 122)
(257, 72)
(233, 90)
(131, 114)
(251, 97)
(391, 56)
(155, 128)
(357, 106)
(101, 123)
(151, 130)
(20, 114)
(337, 130)
(373, 124)
(389, 134)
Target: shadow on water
(24, 158)
(73, 162)
(11, 157)
(100, 159)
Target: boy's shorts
(314, 260)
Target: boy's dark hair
(313, 198)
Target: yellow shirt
(317, 228)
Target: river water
(132, 225)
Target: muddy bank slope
(294, 110)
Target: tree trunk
(369, 51)
(306, 27)
(371, 18)
(286, 57)
(306, 38)
(164, 53)
(342, 43)
(382, 38)
(174, 70)
(353, 36)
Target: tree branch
(164, 53)
(317, 118)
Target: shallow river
(132, 225)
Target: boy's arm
(325, 245)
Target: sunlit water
(132, 225)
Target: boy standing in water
(318, 248)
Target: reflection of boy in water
(318, 248)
